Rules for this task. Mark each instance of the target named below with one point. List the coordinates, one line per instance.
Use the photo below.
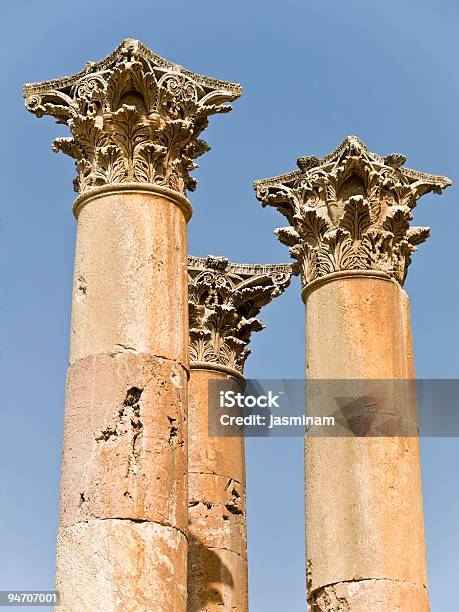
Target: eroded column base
(117, 565)
(375, 595)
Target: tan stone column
(225, 299)
(135, 119)
(349, 230)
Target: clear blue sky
(312, 73)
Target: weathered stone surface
(121, 566)
(370, 595)
(134, 117)
(208, 455)
(364, 517)
(216, 473)
(359, 327)
(124, 454)
(217, 556)
(217, 511)
(130, 283)
(124, 470)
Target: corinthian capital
(350, 210)
(224, 301)
(134, 117)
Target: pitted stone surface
(217, 512)
(124, 453)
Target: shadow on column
(206, 571)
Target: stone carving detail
(224, 301)
(350, 211)
(134, 117)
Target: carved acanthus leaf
(224, 301)
(350, 210)
(136, 111)
(68, 146)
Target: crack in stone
(331, 584)
(130, 520)
(210, 473)
(228, 550)
(123, 348)
(329, 596)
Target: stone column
(225, 299)
(135, 119)
(349, 231)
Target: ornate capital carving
(224, 301)
(134, 117)
(350, 211)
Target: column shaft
(122, 543)
(135, 120)
(364, 521)
(217, 553)
(350, 232)
(224, 301)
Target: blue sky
(312, 73)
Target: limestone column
(135, 119)
(225, 299)
(349, 231)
